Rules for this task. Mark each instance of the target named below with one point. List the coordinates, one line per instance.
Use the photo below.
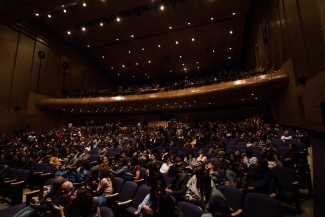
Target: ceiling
(141, 45)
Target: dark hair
(154, 173)
(249, 153)
(152, 197)
(80, 163)
(189, 152)
(172, 171)
(124, 161)
(218, 203)
(166, 206)
(85, 203)
(166, 158)
(134, 161)
(156, 156)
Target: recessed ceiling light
(117, 39)
(142, 48)
(112, 67)
(189, 23)
(230, 32)
(103, 57)
(118, 74)
(170, 71)
(149, 61)
(213, 51)
(192, 39)
(129, 51)
(84, 4)
(101, 24)
(65, 11)
(209, 103)
(137, 64)
(242, 99)
(63, 109)
(211, 18)
(162, 8)
(62, 6)
(185, 69)
(180, 56)
(229, 57)
(123, 66)
(170, 27)
(255, 98)
(133, 76)
(145, 74)
(49, 16)
(233, 13)
(176, 42)
(36, 15)
(83, 28)
(132, 36)
(159, 45)
(88, 45)
(118, 19)
(230, 48)
(197, 62)
(252, 94)
(183, 64)
(198, 67)
(69, 32)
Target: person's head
(201, 153)
(232, 157)
(237, 167)
(204, 184)
(80, 163)
(154, 157)
(167, 158)
(57, 183)
(292, 147)
(124, 161)
(66, 188)
(72, 153)
(84, 201)
(219, 207)
(85, 152)
(238, 153)
(157, 190)
(173, 171)
(179, 158)
(3, 163)
(105, 159)
(249, 153)
(221, 156)
(123, 154)
(165, 150)
(286, 133)
(297, 132)
(189, 154)
(210, 166)
(261, 164)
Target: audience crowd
(197, 160)
(183, 83)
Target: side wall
(291, 36)
(22, 72)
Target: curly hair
(107, 174)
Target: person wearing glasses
(201, 157)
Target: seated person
(106, 186)
(123, 167)
(235, 175)
(78, 174)
(219, 162)
(177, 187)
(82, 204)
(190, 159)
(201, 189)
(84, 156)
(261, 178)
(286, 135)
(40, 205)
(104, 165)
(167, 163)
(213, 173)
(218, 207)
(144, 159)
(166, 207)
(69, 165)
(201, 157)
(134, 170)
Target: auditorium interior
(166, 63)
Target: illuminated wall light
(117, 39)
(132, 36)
(137, 64)
(170, 71)
(197, 62)
(118, 19)
(188, 23)
(255, 98)
(183, 64)
(129, 51)
(112, 67)
(103, 57)
(49, 16)
(83, 28)
(65, 11)
(233, 13)
(185, 69)
(118, 74)
(230, 48)
(88, 45)
(133, 76)
(36, 15)
(211, 18)
(149, 61)
(198, 67)
(159, 45)
(62, 6)
(230, 32)
(142, 48)
(176, 42)
(242, 99)
(101, 24)
(180, 56)
(192, 39)
(69, 32)
(162, 8)
(123, 66)
(170, 27)
(229, 57)
(213, 51)
(252, 94)
(84, 4)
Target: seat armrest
(112, 195)
(10, 181)
(38, 173)
(45, 174)
(139, 180)
(17, 183)
(237, 213)
(78, 183)
(136, 213)
(32, 193)
(124, 202)
(93, 162)
(295, 183)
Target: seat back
(49, 182)
(167, 178)
(25, 175)
(234, 196)
(142, 192)
(257, 205)
(210, 155)
(221, 174)
(286, 177)
(94, 157)
(50, 168)
(128, 191)
(87, 178)
(41, 167)
(189, 209)
(119, 184)
(106, 212)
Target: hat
(221, 153)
